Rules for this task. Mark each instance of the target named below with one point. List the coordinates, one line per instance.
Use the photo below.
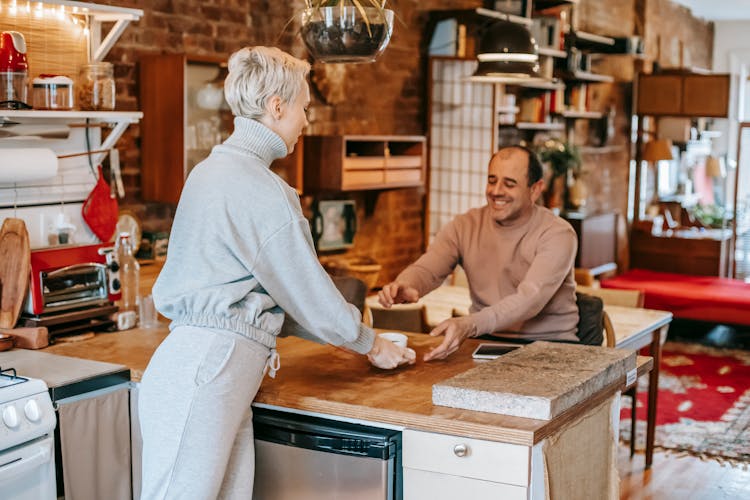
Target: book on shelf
(546, 32)
(577, 98)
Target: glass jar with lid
(96, 87)
(52, 92)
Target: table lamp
(654, 152)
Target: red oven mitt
(100, 209)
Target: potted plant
(565, 164)
(346, 31)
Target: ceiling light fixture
(507, 54)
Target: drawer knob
(461, 450)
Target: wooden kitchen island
(508, 456)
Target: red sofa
(703, 298)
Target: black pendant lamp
(507, 54)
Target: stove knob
(32, 410)
(10, 416)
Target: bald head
(521, 153)
(513, 185)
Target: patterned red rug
(704, 403)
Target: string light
(39, 11)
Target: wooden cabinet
(176, 132)
(683, 251)
(683, 94)
(597, 240)
(360, 162)
(185, 116)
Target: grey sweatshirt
(241, 255)
(520, 275)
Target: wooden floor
(680, 477)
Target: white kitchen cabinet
(425, 485)
(438, 466)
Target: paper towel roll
(26, 164)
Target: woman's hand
(387, 355)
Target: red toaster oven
(72, 277)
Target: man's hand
(387, 355)
(455, 330)
(397, 293)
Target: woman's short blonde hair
(259, 73)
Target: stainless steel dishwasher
(299, 457)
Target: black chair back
(353, 290)
(590, 319)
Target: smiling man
(518, 258)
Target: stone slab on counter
(539, 380)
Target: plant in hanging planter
(346, 31)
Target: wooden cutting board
(15, 265)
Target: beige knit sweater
(520, 276)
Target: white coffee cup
(397, 338)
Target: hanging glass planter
(342, 34)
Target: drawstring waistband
(273, 363)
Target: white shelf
(581, 114)
(592, 38)
(505, 17)
(105, 12)
(103, 116)
(550, 52)
(116, 18)
(601, 150)
(586, 76)
(540, 126)
(548, 85)
(507, 110)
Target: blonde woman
(241, 270)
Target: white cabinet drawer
(491, 461)
(423, 485)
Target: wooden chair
(590, 276)
(405, 317)
(584, 277)
(627, 298)
(614, 297)
(458, 277)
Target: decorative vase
(556, 193)
(341, 35)
(577, 193)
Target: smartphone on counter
(493, 350)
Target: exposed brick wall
(669, 28)
(606, 17)
(387, 97)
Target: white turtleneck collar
(257, 139)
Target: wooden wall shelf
(362, 162)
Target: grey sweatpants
(195, 415)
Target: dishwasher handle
(381, 449)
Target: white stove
(27, 422)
